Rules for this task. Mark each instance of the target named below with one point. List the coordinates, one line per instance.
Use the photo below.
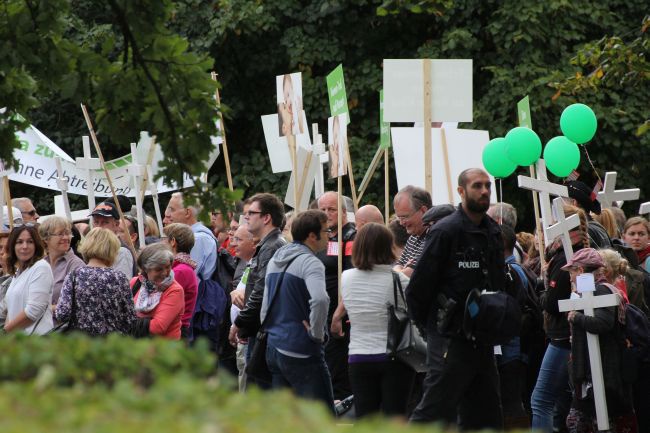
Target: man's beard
(476, 206)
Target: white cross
(62, 183)
(137, 171)
(89, 164)
(609, 195)
(545, 190)
(588, 302)
(644, 208)
(323, 158)
(153, 188)
(562, 227)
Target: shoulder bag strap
(397, 286)
(277, 289)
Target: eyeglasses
(404, 218)
(30, 213)
(62, 234)
(252, 212)
(328, 231)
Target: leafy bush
(71, 359)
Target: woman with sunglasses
(26, 306)
(56, 233)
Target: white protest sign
(465, 148)
(451, 90)
(62, 183)
(306, 159)
(277, 146)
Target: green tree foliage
(119, 58)
(519, 48)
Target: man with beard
(463, 252)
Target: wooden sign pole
(351, 177)
(445, 155)
(291, 139)
(226, 158)
(426, 91)
(371, 171)
(386, 186)
(6, 195)
(339, 232)
(303, 178)
(108, 176)
(538, 225)
(137, 172)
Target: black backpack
(532, 317)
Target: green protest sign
(523, 113)
(384, 127)
(336, 92)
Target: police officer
(463, 252)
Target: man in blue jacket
(294, 311)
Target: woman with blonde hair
(96, 298)
(56, 233)
(636, 233)
(608, 221)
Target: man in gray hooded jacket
(294, 311)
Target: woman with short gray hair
(159, 299)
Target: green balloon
(561, 155)
(495, 159)
(523, 146)
(578, 123)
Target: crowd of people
(260, 276)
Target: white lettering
(469, 265)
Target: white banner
(37, 167)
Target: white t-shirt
(366, 296)
(31, 291)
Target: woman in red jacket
(159, 298)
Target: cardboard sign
(523, 113)
(465, 149)
(289, 103)
(451, 90)
(338, 143)
(336, 93)
(277, 146)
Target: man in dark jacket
(336, 349)
(463, 252)
(264, 219)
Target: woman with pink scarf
(159, 299)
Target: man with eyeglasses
(264, 218)
(27, 209)
(411, 203)
(336, 349)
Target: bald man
(368, 214)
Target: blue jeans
(307, 377)
(552, 381)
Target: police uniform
(458, 256)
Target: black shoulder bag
(257, 368)
(403, 342)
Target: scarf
(643, 254)
(185, 259)
(150, 294)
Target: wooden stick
(339, 234)
(10, 209)
(386, 186)
(226, 158)
(538, 226)
(445, 154)
(291, 139)
(428, 177)
(108, 176)
(305, 172)
(351, 177)
(369, 173)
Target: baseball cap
(18, 219)
(106, 209)
(437, 212)
(586, 258)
